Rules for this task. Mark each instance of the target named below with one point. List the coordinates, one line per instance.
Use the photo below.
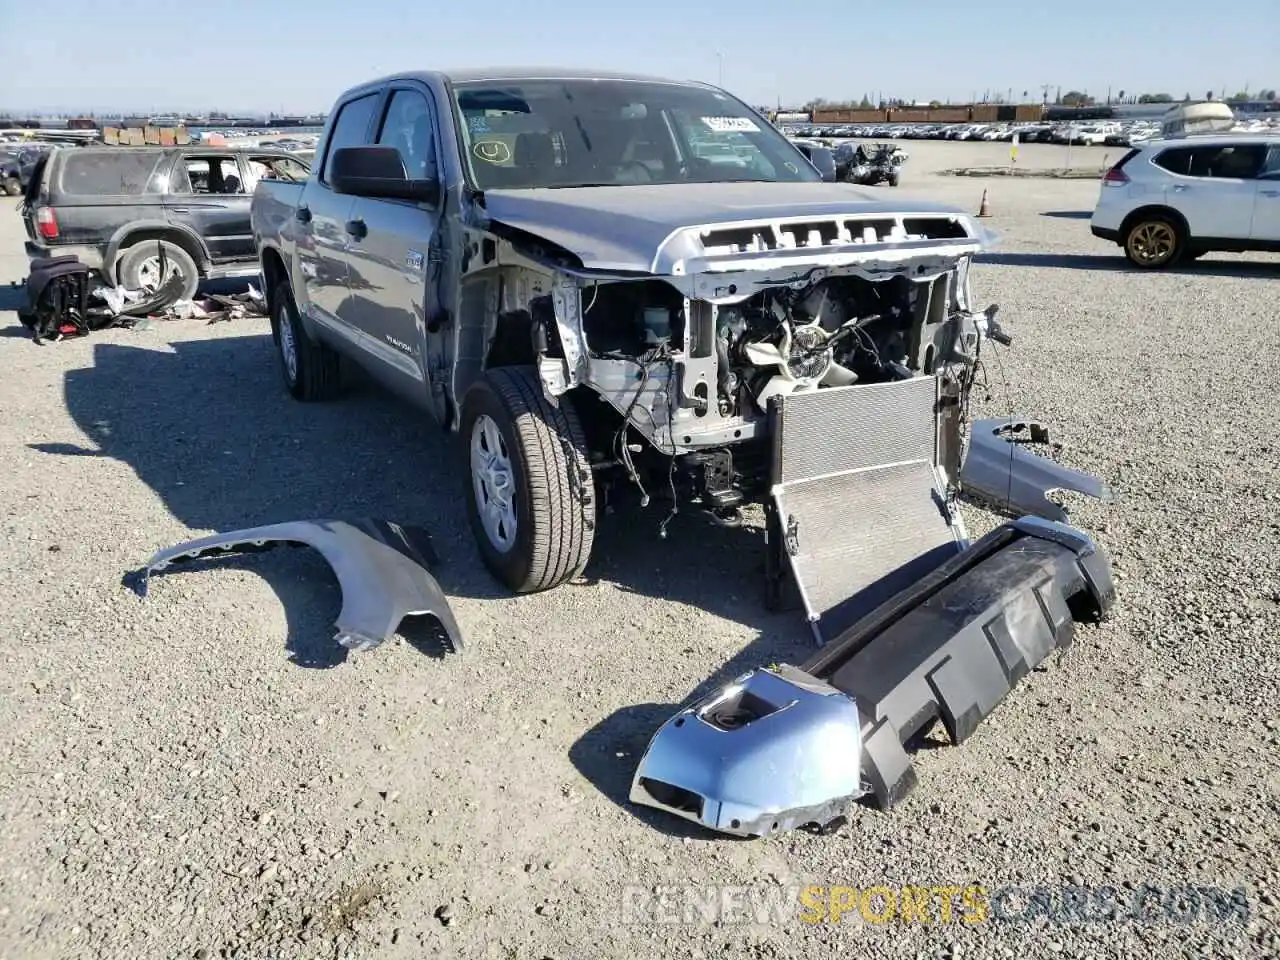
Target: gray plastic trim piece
(382, 568)
(999, 469)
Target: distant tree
(1239, 95)
(935, 103)
(1266, 95)
(1075, 98)
(1121, 97)
(864, 103)
(1208, 95)
(1186, 98)
(1158, 98)
(1025, 94)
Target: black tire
(129, 266)
(1154, 241)
(893, 180)
(316, 373)
(12, 186)
(553, 491)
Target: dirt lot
(204, 774)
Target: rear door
(1214, 186)
(322, 238)
(207, 196)
(1266, 210)
(392, 243)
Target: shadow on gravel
(11, 298)
(1117, 264)
(1068, 214)
(208, 427)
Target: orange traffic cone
(983, 210)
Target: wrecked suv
(620, 285)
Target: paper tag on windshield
(731, 124)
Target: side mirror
(822, 158)
(378, 172)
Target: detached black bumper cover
(949, 648)
(382, 568)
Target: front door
(391, 252)
(322, 216)
(206, 194)
(1266, 209)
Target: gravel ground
(203, 774)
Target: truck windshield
(574, 133)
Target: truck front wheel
(529, 488)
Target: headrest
(535, 150)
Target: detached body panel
(382, 568)
(951, 648)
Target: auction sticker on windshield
(731, 124)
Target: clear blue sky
(296, 56)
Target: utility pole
(1046, 87)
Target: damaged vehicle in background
(621, 287)
(117, 209)
(869, 164)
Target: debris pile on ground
(62, 304)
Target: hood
(655, 228)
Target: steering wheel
(648, 174)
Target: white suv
(1170, 200)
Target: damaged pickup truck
(616, 286)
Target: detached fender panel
(382, 568)
(997, 468)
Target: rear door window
(103, 174)
(1233, 161)
(212, 174)
(1237, 161)
(350, 129)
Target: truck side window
(407, 127)
(350, 128)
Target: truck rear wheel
(529, 488)
(312, 370)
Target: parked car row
(1111, 133)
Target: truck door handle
(1271, 193)
(1179, 187)
(302, 215)
(179, 209)
(357, 229)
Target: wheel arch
(132, 234)
(273, 272)
(1153, 209)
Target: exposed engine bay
(835, 332)
(839, 332)
(696, 379)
